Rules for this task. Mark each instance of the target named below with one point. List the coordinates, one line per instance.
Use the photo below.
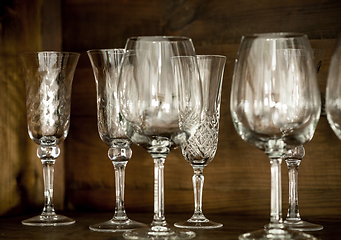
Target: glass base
(302, 225)
(275, 234)
(198, 224)
(48, 220)
(114, 225)
(166, 233)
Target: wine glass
(106, 64)
(275, 106)
(293, 159)
(48, 79)
(201, 147)
(160, 107)
(333, 91)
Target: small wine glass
(201, 147)
(333, 91)
(275, 106)
(106, 64)
(160, 107)
(293, 160)
(48, 79)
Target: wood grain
(107, 24)
(239, 177)
(238, 180)
(233, 225)
(21, 188)
(18, 173)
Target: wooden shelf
(234, 225)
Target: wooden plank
(107, 24)
(234, 225)
(219, 22)
(18, 171)
(21, 179)
(51, 25)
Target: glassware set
(160, 101)
(157, 93)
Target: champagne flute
(106, 64)
(48, 79)
(159, 108)
(293, 160)
(201, 147)
(275, 106)
(333, 91)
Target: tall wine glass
(106, 64)
(159, 108)
(293, 160)
(201, 147)
(275, 105)
(333, 91)
(48, 79)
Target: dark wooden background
(237, 181)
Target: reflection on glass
(275, 106)
(106, 65)
(48, 79)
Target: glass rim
(49, 52)
(98, 50)
(202, 56)
(276, 35)
(211, 55)
(160, 38)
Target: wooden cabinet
(238, 179)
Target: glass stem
(198, 185)
(159, 220)
(48, 174)
(120, 213)
(119, 154)
(276, 193)
(293, 212)
(48, 156)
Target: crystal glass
(275, 106)
(160, 108)
(293, 160)
(333, 91)
(106, 64)
(201, 147)
(48, 79)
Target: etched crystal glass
(201, 147)
(106, 65)
(160, 106)
(275, 106)
(48, 79)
